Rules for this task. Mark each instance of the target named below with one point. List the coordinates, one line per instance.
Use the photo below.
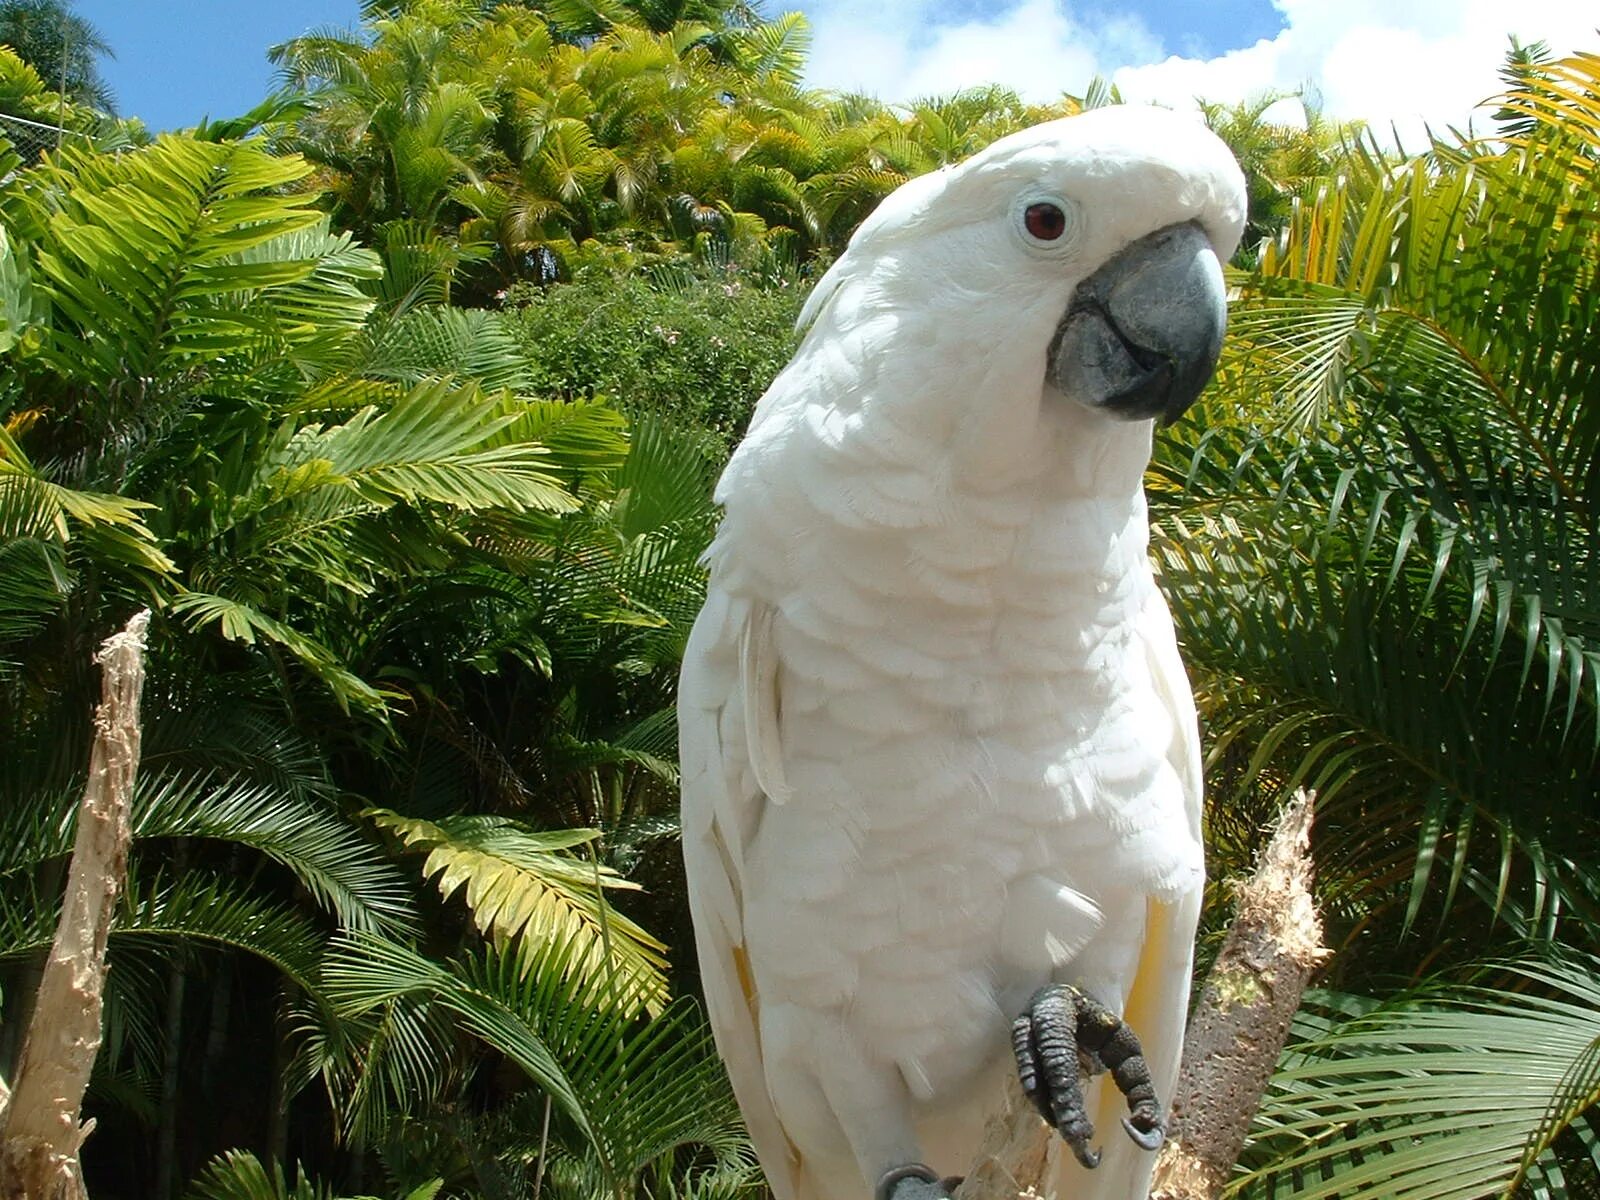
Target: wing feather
(1157, 1006)
(730, 672)
(759, 683)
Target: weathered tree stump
(39, 1130)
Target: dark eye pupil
(1045, 221)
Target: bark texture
(1230, 1048)
(1242, 1021)
(40, 1136)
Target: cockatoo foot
(1064, 1032)
(915, 1182)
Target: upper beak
(1142, 334)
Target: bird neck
(1048, 443)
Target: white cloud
(1400, 62)
(902, 49)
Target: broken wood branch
(40, 1132)
(1242, 1021)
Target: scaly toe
(1082, 1152)
(1045, 1041)
(1062, 1028)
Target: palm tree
(60, 45)
(654, 133)
(1472, 1086)
(1278, 160)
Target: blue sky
(180, 60)
(1190, 27)
(1389, 62)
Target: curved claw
(1145, 1139)
(1081, 1151)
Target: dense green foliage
(375, 584)
(1379, 538)
(420, 527)
(696, 345)
(542, 139)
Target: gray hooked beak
(1142, 334)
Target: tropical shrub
(698, 346)
(546, 138)
(58, 45)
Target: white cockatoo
(941, 774)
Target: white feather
(937, 744)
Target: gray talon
(1145, 1139)
(924, 1182)
(1064, 1031)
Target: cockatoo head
(1081, 257)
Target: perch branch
(1242, 1021)
(1014, 1154)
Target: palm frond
(633, 1092)
(240, 622)
(519, 884)
(436, 343)
(17, 309)
(196, 907)
(1437, 1095)
(240, 1175)
(346, 874)
(429, 446)
(165, 250)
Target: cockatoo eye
(1045, 221)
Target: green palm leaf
(366, 975)
(435, 343)
(168, 249)
(429, 446)
(1451, 1095)
(632, 1092)
(240, 1175)
(199, 908)
(17, 310)
(34, 507)
(345, 874)
(239, 622)
(520, 885)
(195, 908)
(1388, 592)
